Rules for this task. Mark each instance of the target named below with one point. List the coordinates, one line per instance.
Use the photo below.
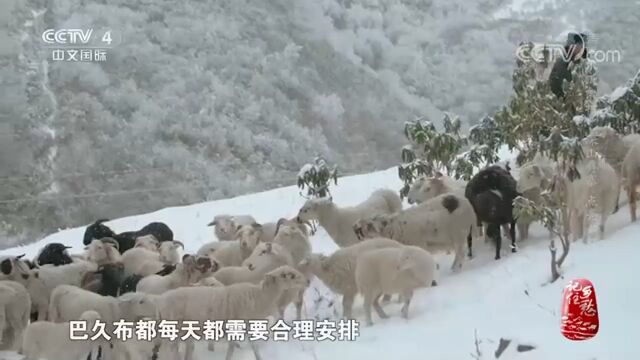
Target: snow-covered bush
(316, 178)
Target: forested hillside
(208, 99)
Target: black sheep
(106, 281)
(55, 254)
(127, 240)
(131, 282)
(491, 193)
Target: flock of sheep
(254, 271)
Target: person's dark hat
(576, 38)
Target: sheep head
(14, 268)
(532, 177)
(225, 227)
(371, 227)
(170, 251)
(601, 138)
(425, 188)
(249, 236)
(103, 251)
(285, 278)
(311, 209)
(265, 255)
(313, 263)
(148, 242)
(97, 230)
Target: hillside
(204, 100)
(509, 298)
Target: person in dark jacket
(575, 50)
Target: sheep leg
(254, 347)
(469, 241)
(408, 295)
(493, 232)
(512, 235)
(188, 349)
(42, 312)
(378, 308)
(298, 303)
(523, 231)
(230, 350)
(458, 258)
(347, 305)
(631, 194)
(367, 308)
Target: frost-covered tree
(316, 177)
(534, 110)
(552, 215)
(621, 108)
(430, 151)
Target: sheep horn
(213, 223)
(278, 224)
(20, 256)
(179, 243)
(112, 241)
(100, 221)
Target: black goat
(131, 282)
(55, 254)
(491, 193)
(127, 239)
(106, 281)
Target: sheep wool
(338, 221)
(393, 270)
(337, 271)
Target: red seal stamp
(579, 311)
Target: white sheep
(44, 339)
(393, 270)
(337, 271)
(42, 281)
(148, 242)
(225, 226)
(209, 281)
(597, 188)
(250, 235)
(294, 240)
(338, 221)
(425, 188)
(533, 179)
(104, 251)
(623, 154)
(191, 270)
(170, 251)
(15, 310)
(244, 301)
(141, 261)
(441, 223)
(229, 254)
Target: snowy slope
(488, 296)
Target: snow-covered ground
(509, 298)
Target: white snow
(509, 298)
(619, 92)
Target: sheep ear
(6, 267)
(213, 223)
(100, 221)
(270, 279)
(256, 226)
(176, 243)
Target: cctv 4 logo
(580, 319)
(72, 36)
